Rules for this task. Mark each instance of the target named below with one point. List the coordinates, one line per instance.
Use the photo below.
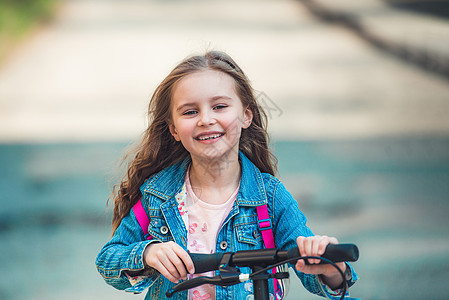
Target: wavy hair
(158, 149)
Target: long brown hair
(158, 149)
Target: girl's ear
(247, 118)
(173, 131)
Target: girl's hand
(315, 246)
(169, 259)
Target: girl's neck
(219, 175)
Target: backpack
(265, 227)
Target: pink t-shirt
(203, 223)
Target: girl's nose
(206, 119)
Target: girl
(201, 170)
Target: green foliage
(17, 17)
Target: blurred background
(357, 96)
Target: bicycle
(259, 261)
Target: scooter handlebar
(210, 262)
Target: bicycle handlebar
(210, 262)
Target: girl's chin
(214, 153)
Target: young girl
(201, 170)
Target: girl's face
(207, 114)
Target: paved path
(89, 75)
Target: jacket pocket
(248, 233)
(159, 229)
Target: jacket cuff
(140, 277)
(351, 278)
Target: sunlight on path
(89, 76)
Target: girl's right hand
(169, 259)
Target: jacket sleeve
(290, 223)
(124, 252)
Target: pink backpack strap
(142, 218)
(266, 229)
(265, 226)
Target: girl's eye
(189, 112)
(220, 106)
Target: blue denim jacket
(124, 252)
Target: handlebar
(225, 261)
(210, 262)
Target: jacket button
(255, 234)
(223, 245)
(164, 229)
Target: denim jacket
(239, 231)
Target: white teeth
(210, 137)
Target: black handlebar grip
(342, 252)
(206, 262)
(335, 253)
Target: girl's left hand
(315, 246)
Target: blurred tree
(439, 8)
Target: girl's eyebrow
(220, 97)
(190, 104)
(181, 107)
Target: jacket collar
(168, 182)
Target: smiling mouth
(210, 137)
